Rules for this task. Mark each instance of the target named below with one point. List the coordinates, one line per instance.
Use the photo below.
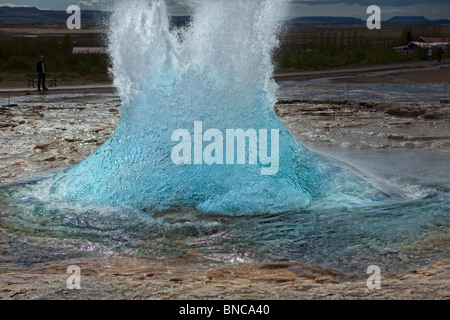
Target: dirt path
(413, 72)
(421, 71)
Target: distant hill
(350, 20)
(328, 20)
(30, 16)
(408, 19)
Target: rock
(278, 272)
(405, 112)
(97, 129)
(20, 163)
(42, 146)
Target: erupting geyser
(159, 187)
(216, 71)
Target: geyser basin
(396, 235)
(216, 72)
(130, 197)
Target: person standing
(430, 54)
(41, 70)
(439, 54)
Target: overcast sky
(432, 9)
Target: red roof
(433, 40)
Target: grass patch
(21, 54)
(324, 49)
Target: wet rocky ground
(127, 278)
(364, 125)
(53, 132)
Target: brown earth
(134, 279)
(438, 75)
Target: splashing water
(130, 195)
(216, 71)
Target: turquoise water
(217, 71)
(128, 197)
(346, 237)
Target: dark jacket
(40, 67)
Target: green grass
(295, 57)
(343, 48)
(21, 55)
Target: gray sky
(432, 9)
